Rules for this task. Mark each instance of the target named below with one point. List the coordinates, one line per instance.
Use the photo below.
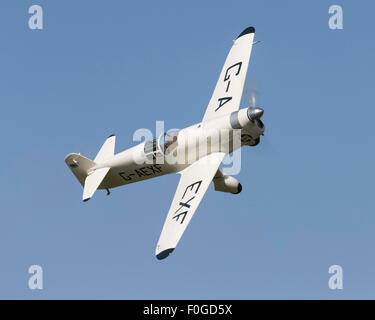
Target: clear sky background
(103, 67)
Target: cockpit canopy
(161, 146)
(168, 141)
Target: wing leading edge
(227, 95)
(193, 184)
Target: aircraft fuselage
(171, 153)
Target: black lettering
(145, 172)
(184, 204)
(157, 167)
(221, 103)
(152, 169)
(227, 76)
(122, 175)
(191, 187)
(140, 174)
(177, 216)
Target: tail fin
(85, 169)
(107, 150)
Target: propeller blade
(252, 94)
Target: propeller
(254, 112)
(252, 95)
(252, 92)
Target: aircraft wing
(228, 91)
(193, 184)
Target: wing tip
(164, 254)
(239, 189)
(247, 31)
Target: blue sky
(99, 68)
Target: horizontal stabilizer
(93, 181)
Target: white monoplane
(154, 158)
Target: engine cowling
(228, 184)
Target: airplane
(149, 159)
